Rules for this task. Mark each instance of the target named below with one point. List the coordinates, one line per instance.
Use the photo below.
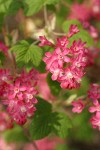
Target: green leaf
(4, 5)
(14, 7)
(32, 6)
(43, 106)
(15, 134)
(26, 53)
(54, 86)
(34, 54)
(62, 124)
(41, 126)
(45, 121)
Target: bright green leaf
(32, 6)
(26, 53)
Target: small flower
(94, 92)
(73, 30)
(44, 41)
(95, 120)
(95, 108)
(78, 106)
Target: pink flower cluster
(66, 63)
(80, 11)
(94, 94)
(18, 94)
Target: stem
(59, 34)
(45, 16)
(29, 137)
(65, 4)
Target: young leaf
(26, 53)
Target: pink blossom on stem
(94, 92)
(78, 106)
(73, 30)
(67, 64)
(95, 107)
(44, 41)
(95, 120)
(80, 12)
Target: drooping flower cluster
(66, 63)
(94, 94)
(18, 94)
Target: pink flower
(96, 9)
(20, 97)
(94, 92)
(5, 75)
(67, 64)
(95, 120)
(73, 30)
(3, 48)
(78, 106)
(70, 78)
(44, 41)
(95, 108)
(93, 32)
(80, 12)
(62, 42)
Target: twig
(66, 4)
(45, 16)
(29, 137)
(59, 34)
